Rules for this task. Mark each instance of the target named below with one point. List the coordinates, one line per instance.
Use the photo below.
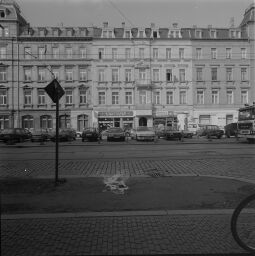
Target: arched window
(143, 121)
(28, 122)
(82, 122)
(46, 122)
(64, 121)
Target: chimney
(175, 25)
(105, 24)
(152, 25)
(123, 24)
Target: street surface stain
(116, 184)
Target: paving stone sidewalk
(119, 234)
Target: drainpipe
(12, 85)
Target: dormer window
(238, 34)
(232, 33)
(55, 32)
(198, 34)
(110, 34)
(2, 14)
(155, 34)
(213, 33)
(42, 32)
(141, 34)
(127, 34)
(69, 32)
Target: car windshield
(115, 130)
(144, 128)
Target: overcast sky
(135, 13)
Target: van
(231, 130)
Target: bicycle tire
(234, 220)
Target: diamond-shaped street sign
(54, 90)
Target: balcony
(142, 84)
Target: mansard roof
(249, 15)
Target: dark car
(65, 135)
(231, 130)
(210, 131)
(40, 135)
(15, 135)
(90, 134)
(115, 134)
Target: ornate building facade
(123, 76)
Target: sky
(135, 13)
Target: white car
(144, 133)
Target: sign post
(55, 91)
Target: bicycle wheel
(243, 224)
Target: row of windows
(115, 54)
(128, 73)
(143, 96)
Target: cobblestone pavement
(241, 168)
(102, 235)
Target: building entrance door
(143, 121)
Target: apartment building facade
(124, 76)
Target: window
(128, 53)
(229, 119)
(46, 122)
(41, 74)
(129, 98)
(127, 34)
(155, 75)
(127, 75)
(168, 53)
(156, 97)
(230, 97)
(27, 97)
(169, 97)
(104, 34)
(115, 98)
(41, 52)
(83, 74)
(83, 53)
(55, 53)
(3, 51)
(215, 97)
(69, 96)
(141, 53)
(6, 31)
(101, 77)
(228, 53)
(69, 75)
(181, 53)
(83, 121)
(27, 122)
(213, 53)
(198, 34)
(229, 74)
(1, 31)
(199, 72)
(142, 74)
(83, 96)
(243, 53)
(3, 74)
(155, 53)
(27, 74)
(214, 74)
(56, 73)
(101, 53)
(27, 53)
(182, 75)
(198, 53)
(101, 98)
(213, 33)
(41, 97)
(69, 53)
(110, 34)
(115, 75)
(183, 97)
(169, 75)
(4, 122)
(244, 97)
(200, 96)
(114, 53)
(142, 97)
(141, 34)
(244, 74)
(64, 121)
(3, 97)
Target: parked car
(78, 134)
(15, 135)
(210, 131)
(90, 134)
(231, 130)
(40, 135)
(193, 127)
(187, 134)
(65, 135)
(115, 134)
(172, 133)
(144, 133)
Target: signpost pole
(57, 135)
